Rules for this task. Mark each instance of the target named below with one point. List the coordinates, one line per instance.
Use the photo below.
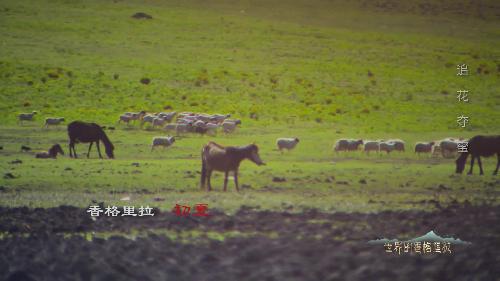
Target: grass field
(317, 70)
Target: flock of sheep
(190, 122)
(186, 122)
(446, 147)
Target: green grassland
(318, 70)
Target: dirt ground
(37, 244)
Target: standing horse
(79, 131)
(480, 146)
(225, 159)
(52, 153)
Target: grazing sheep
(168, 116)
(347, 145)
(449, 147)
(26, 117)
(387, 146)
(136, 115)
(220, 118)
(399, 145)
(286, 143)
(125, 118)
(148, 118)
(158, 121)
(371, 146)
(424, 147)
(229, 126)
(52, 153)
(199, 124)
(162, 141)
(53, 121)
(212, 128)
(436, 149)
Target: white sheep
(162, 141)
(387, 146)
(168, 116)
(125, 118)
(286, 143)
(158, 121)
(135, 115)
(53, 121)
(148, 118)
(219, 118)
(347, 145)
(212, 128)
(229, 126)
(449, 146)
(399, 145)
(26, 116)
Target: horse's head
(109, 151)
(461, 163)
(253, 154)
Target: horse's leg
(471, 164)
(498, 164)
(225, 180)
(72, 145)
(88, 152)
(70, 150)
(209, 184)
(480, 165)
(236, 180)
(98, 149)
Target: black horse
(480, 146)
(83, 132)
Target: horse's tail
(203, 168)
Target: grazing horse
(480, 146)
(225, 159)
(52, 153)
(79, 131)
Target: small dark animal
(52, 153)
(25, 148)
(83, 132)
(479, 146)
(1, 147)
(111, 128)
(141, 15)
(225, 159)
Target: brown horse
(478, 146)
(79, 131)
(52, 153)
(215, 157)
